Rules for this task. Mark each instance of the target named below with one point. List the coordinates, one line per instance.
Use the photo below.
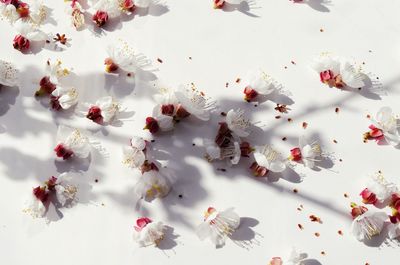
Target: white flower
(310, 151)
(231, 152)
(121, 55)
(261, 82)
(65, 190)
(237, 123)
(339, 72)
(37, 12)
(67, 97)
(269, 158)
(150, 234)
(8, 74)
(381, 187)
(138, 142)
(76, 11)
(134, 156)
(194, 102)
(165, 122)
(109, 108)
(152, 184)
(218, 226)
(9, 12)
(55, 70)
(73, 140)
(29, 31)
(368, 224)
(394, 230)
(112, 7)
(386, 121)
(35, 207)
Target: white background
(223, 45)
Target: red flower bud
(368, 196)
(100, 18)
(295, 154)
(245, 149)
(224, 135)
(218, 4)
(249, 94)
(21, 43)
(146, 167)
(110, 65)
(54, 103)
(51, 183)
(358, 210)
(23, 9)
(94, 114)
(63, 152)
(152, 125)
(395, 202)
(181, 112)
(40, 193)
(258, 170)
(168, 109)
(128, 5)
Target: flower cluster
(105, 110)
(60, 97)
(176, 105)
(60, 191)
(72, 142)
(153, 183)
(228, 143)
(367, 224)
(338, 72)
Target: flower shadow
(244, 7)
(319, 5)
(8, 98)
(245, 233)
(169, 241)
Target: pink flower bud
(141, 223)
(21, 43)
(100, 18)
(276, 261)
(368, 196)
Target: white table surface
(223, 47)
